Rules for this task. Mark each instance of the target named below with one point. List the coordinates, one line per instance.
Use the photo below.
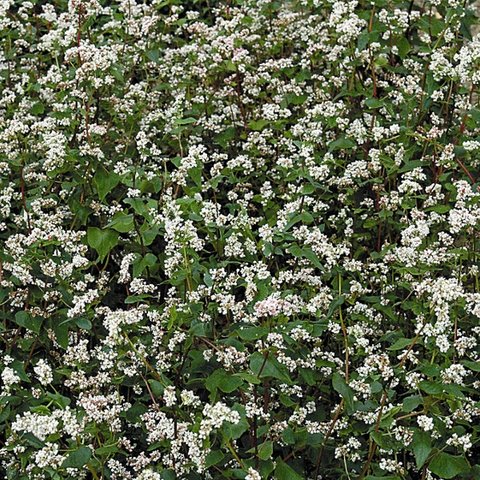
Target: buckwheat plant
(239, 239)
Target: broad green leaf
(422, 446)
(223, 138)
(411, 403)
(83, 323)
(106, 450)
(153, 55)
(403, 46)
(185, 121)
(61, 333)
(148, 261)
(432, 388)
(19, 368)
(214, 457)
(252, 333)
(135, 411)
(60, 400)
(343, 389)
(156, 387)
(475, 366)
(258, 124)
(232, 431)
(28, 321)
(448, 466)
(102, 240)
(250, 378)
(284, 472)
(268, 367)
(380, 439)
(265, 450)
(307, 253)
(105, 182)
(78, 458)
(196, 175)
(222, 380)
(37, 108)
(373, 103)
(400, 344)
(341, 144)
(121, 222)
(334, 305)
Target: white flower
(9, 377)
(43, 371)
(425, 423)
(253, 474)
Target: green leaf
(411, 403)
(304, 217)
(18, 366)
(373, 103)
(26, 320)
(33, 440)
(448, 466)
(207, 279)
(60, 400)
(363, 39)
(168, 475)
(149, 260)
(196, 175)
(232, 431)
(475, 366)
(61, 333)
(422, 446)
(307, 253)
(440, 208)
(121, 222)
(185, 121)
(252, 333)
(269, 367)
(334, 305)
(380, 62)
(102, 240)
(134, 413)
(78, 458)
(380, 439)
(341, 144)
(258, 124)
(83, 323)
(285, 472)
(343, 389)
(149, 234)
(214, 457)
(156, 387)
(136, 298)
(223, 138)
(153, 55)
(432, 388)
(107, 450)
(222, 380)
(400, 344)
(105, 182)
(403, 46)
(37, 109)
(265, 450)
(293, 99)
(249, 377)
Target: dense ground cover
(239, 240)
